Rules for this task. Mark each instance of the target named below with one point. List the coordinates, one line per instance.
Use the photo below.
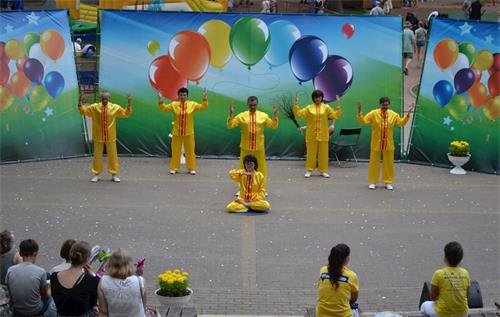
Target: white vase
(167, 301)
(458, 161)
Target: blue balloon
(283, 35)
(54, 83)
(443, 92)
(307, 57)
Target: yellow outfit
(317, 137)
(382, 142)
(334, 301)
(453, 284)
(252, 136)
(104, 132)
(183, 131)
(251, 189)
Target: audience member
(64, 254)
(28, 285)
(476, 10)
(388, 6)
(8, 254)
(120, 292)
(449, 286)
(466, 7)
(75, 289)
(378, 10)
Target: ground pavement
(267, 264)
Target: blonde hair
(120, 264)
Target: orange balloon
(478, 94)
(52, 44)
(6, 98)
(19, 84)
(190, 54)
(492, 108)
(446, 53)
(477, 74)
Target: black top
(77, 300)
(475, 10)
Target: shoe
(115, 179)
(326, 175)
(389, 187)
(95, 179)
(307, 174)
(193, 172)
(237, 193)
(371, 186)
(173, 172)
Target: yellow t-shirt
(453, 283)
(334, 302)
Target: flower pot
(458, 161)
(167, 301)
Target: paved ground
(264, 264)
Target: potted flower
(459, 155)
(174, 288)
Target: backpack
(6, 309)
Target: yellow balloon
(153, 47)
(484, 60)
(14, 49)
(492, 108)
(6, 98)
(457, 107)
(216, 32)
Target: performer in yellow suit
(382, 122)
(252, 123)
(183, 129)
(251, 184)
(317, 115)
(104, 116)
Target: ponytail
(336, 261)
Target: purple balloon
(335, 79)
(33, 70)
(464, 79)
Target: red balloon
(4, 59)
(164, 78)
(496, 64)
(190, 54)
(4, 73)
(348, 30)
(494, 84)
(20, 63)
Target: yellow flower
(177, 271)
(186, 274)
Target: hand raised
(275, 109)
(359, 106)
(205, 93)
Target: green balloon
(468, 50)
(39, 98)
(457, 107)
(153, 47)
(30, 39)
(249, 39)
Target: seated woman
(64, 253)
(338, 287)
(8, 254)
(251, 184)
(75, 289)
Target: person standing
(378, 8)
(104, 115)
(409, 45)
(252, 123)
(420, 36)
(183, 129)
(476, 10)
(317, 115)
(382, 122)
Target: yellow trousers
(317, 150)
(113, 163)
(261, 161)
(257, 205)
(177, 142)
(387, 167)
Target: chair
(348, 138)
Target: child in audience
(450, 286)
(338, 286)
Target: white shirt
(377, 11)
(123, 297)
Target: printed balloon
(33, 69)
(348, 30)
(6, 98)
(20, 63)
(478, 94)
(469, 50)
(30, 39)
(283, 34)
(153, 47)
(37, 53)
(189, 54)
(19, 84)
(492, 108)
(4, 59)
(4, 74)
(52, 44)
(249, 39)
(443, 92)
(477, 74)
(54, 83)
(460, 63)
(335, 79)
(39, 98)
(494, 84)
(445, 53)
(14, 49)
(307, 57)
(484, 60)
(216, 32)
(457, 107)
(463, 80)
(164, 78)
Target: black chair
(348, 139)
(474, 297)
